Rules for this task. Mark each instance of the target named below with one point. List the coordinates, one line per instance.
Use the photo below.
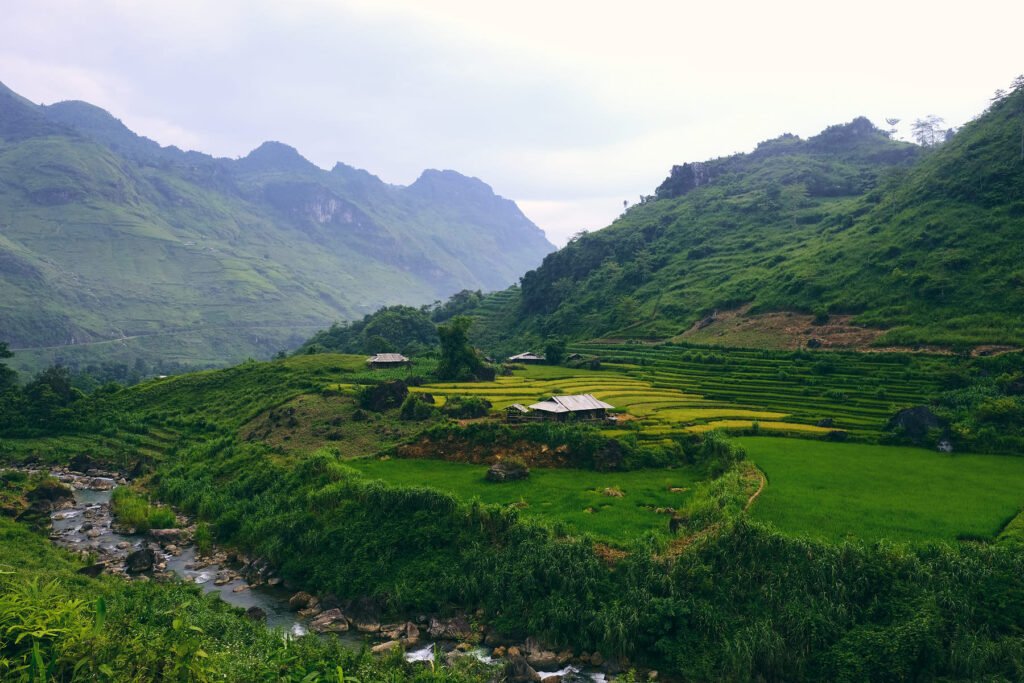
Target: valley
(766, 426)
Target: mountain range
(114, 247)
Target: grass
(556, 495)
(135, 511)
(835, 491)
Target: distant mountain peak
(276, 156)
(447, 182)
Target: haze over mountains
(106, 235)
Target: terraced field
(654, 411)
(857, 392)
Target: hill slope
(105, 235)
(923, 245)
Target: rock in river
(140, 561)
(331, 621)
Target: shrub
(131, 509)
(463, 407)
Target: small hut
(580, 406)
(382, 361)
(527, 358)
(516, 412)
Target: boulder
(140, 561)
(331, 621)
(301, 600)
(518, 670)
(50, 491)
(542, 659)
(101, 483)
(385, 647)
(168, 536)
(256, 572)
(553, 678)
(501, 472)
(456, 628)
(914, 423)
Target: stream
(86, 526)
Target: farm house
(580, 407)
(382, 361)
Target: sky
(563, 106)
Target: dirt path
(760, 487)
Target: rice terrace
(273, 418)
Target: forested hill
(106, 235)
(921, 245)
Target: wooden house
(383, 361)
(527, 358)
(580, 407)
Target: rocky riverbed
(84, 523)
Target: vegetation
(922, 245)
(58, 625)
(570, 500)
(390, 329)
(838, 491)
(270, 246)
(134, 511)
(692, 604)
(651, 538)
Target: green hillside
(890, 243)
(113, 247)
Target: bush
(131, 509)
(416, 409)
(464, 407)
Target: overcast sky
(565, 107)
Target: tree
(928, 132)
(554, 351)
(8, 377)
(459, 360)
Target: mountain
(114, 247)
(845, 239)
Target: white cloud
(564, 104)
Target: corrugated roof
(571, 404)
(388, 358)
(520, 407)
(526, 356)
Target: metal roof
(388, 358)
(571, 404)
(526, 356)
(520, 407)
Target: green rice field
(575, 498)
(837, 491)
